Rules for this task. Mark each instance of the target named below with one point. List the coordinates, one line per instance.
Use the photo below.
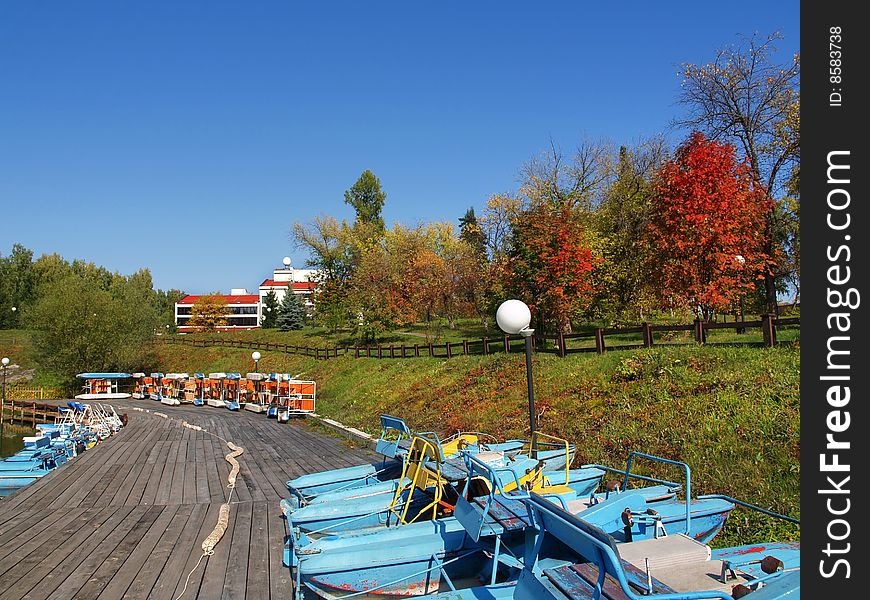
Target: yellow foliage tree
(209, 312)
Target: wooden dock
(126, 519)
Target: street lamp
(256, 356)
(5, 363)
(740, 259)
(513, 317)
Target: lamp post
(513, 317)
(740, 259)
(256, 356)
(5, 363)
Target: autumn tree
(620, 221)
(551, 264)
(209, 312)
(471, 232)
(707, 227)
(745, 98)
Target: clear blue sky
(187, 136)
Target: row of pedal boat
(469, 518)
(77, 428)
(278, 395)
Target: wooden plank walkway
(126, 518)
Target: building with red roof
(246, 310)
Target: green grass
(731, 412)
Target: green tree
(165, 305)
(270, 310)
(621, 221)
(367, 199)
(209, 312)
(331, 247)
(78, 327)
(16, 285)
(291, 312)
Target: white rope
(212, 539)
(189, 575)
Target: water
(11, 438)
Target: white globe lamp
(513, 316)
(287, 262)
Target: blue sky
(187, 136)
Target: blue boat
(674, 567)
(232, 391)
(393, 444)
(156, 392)
(485, 536)
(199, 400)
(429, 470)
(39, 457)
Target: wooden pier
(126, 519)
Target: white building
(246, 310)
(300, 281)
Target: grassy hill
(732, 413)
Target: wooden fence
(560, 344)
(22, 392)
(28, 413)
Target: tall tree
(209, 312)
(270, 310)
(367, 199)
(621, 220)
(552, 263)
(332, 250)
(291, 312)
(471, 232)
(707, 227)
(16, 285)
(745, 98)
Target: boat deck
(127, 518)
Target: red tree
(552, 263)
(707, 227)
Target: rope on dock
(211, 541)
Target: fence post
(700, 332)
(449, 353)
(599, 340)
(416, 349)
(507, 343)
(561, 344)
(647, 335)
(392, 351)
(380, 352)
(485, 346)
(465, 347)
(768, 329)
(431, 350)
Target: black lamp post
(513, 317)
(5, 363)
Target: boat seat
(680, 561)
(508, 512)
(669, 551)
(577, 582)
